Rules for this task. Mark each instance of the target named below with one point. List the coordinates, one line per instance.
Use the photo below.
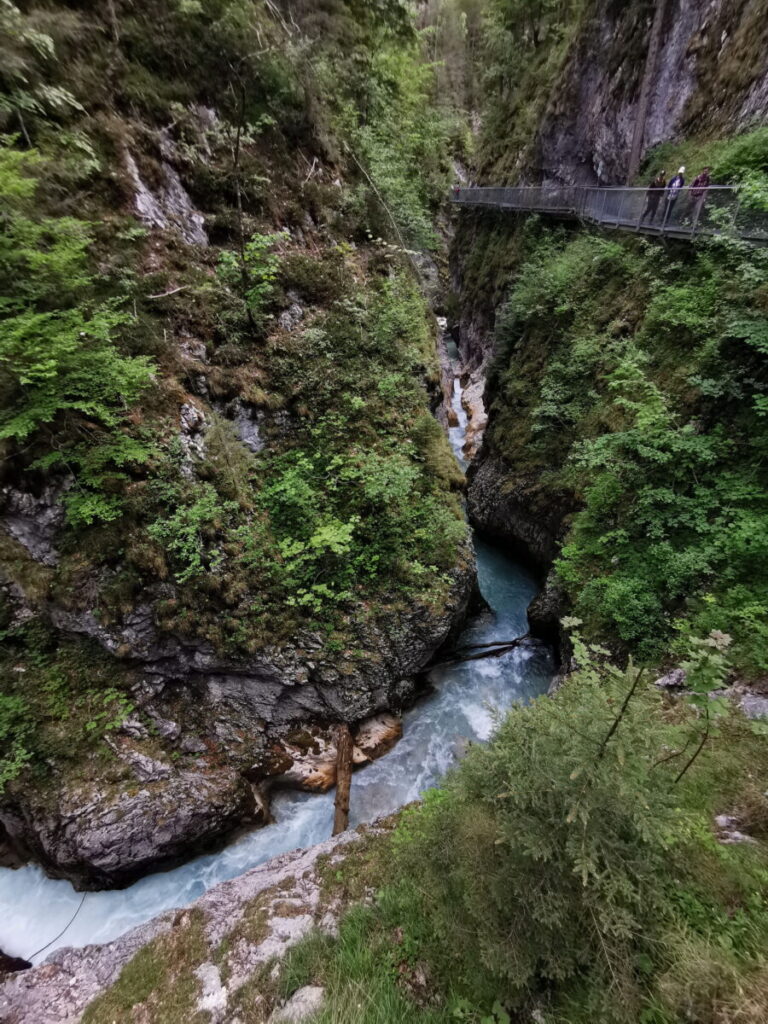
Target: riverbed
(461, 707)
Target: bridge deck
(718, 211)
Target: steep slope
(227, 507)
(626, 379)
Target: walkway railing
(717, 210)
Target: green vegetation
(58, 358)
(524, 47)
(569, 868)
(159, 976)
(734, 160)
(297, 138)
(635, 380)
(57, 700)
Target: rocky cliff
(708, 79)
(228, 515)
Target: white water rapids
(461, 707)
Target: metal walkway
(719, 211)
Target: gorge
(295, 446)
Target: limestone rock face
(287, 895)
(100, 837)
(33, 521)
(302, 1006)
(168, 207)
(511, 508)
(207, 729)
(586, 134)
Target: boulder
(376, 737)
(302, 1006)
(11, 964)
(100, 837)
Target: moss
(318, 279)
(159, 979)
(349, 875)
(18, 566)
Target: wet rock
(307, 757)
(312, 755)
(100, 838)
(302, 1006)
(545, 612)
(513, 508)
(376, 737)
(472, 399)
(241, 709)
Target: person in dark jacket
(675, 186)
(699, 188)
(653, 196)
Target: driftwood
(343, 779)
(494, 650)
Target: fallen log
(494, 650)
(343, 779)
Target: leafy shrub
(569, 868)
(637, 385)
(58, 356)
(252, 273)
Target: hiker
(699, 188)
(653, 196)
(675, 186)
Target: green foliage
(57, 701)
(99, 470)
(550, 855)
(253, 272)
(57, 351)
(524, 44)
(186, 533)
(567, 866)
(26, 54)
(15, 727)
(638, 387)
(734, 160)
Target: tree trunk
(343, 778)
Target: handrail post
(736, 211)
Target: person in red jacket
(698, 196)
